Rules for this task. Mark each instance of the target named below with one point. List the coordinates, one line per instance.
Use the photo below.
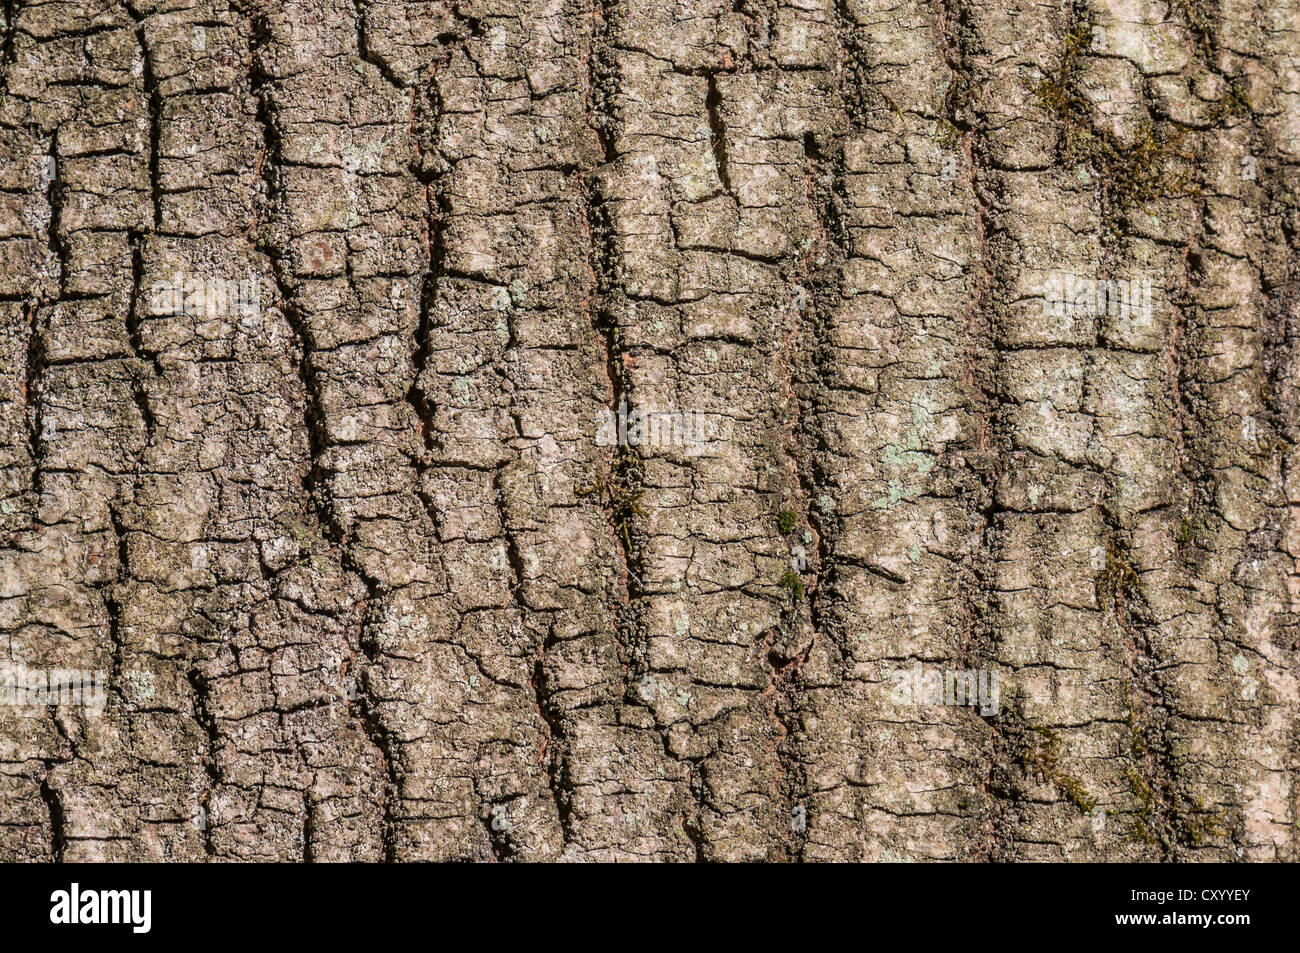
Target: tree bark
(971, 332)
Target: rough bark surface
(365, 583)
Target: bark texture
(364, 582)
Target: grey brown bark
(366, 581)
